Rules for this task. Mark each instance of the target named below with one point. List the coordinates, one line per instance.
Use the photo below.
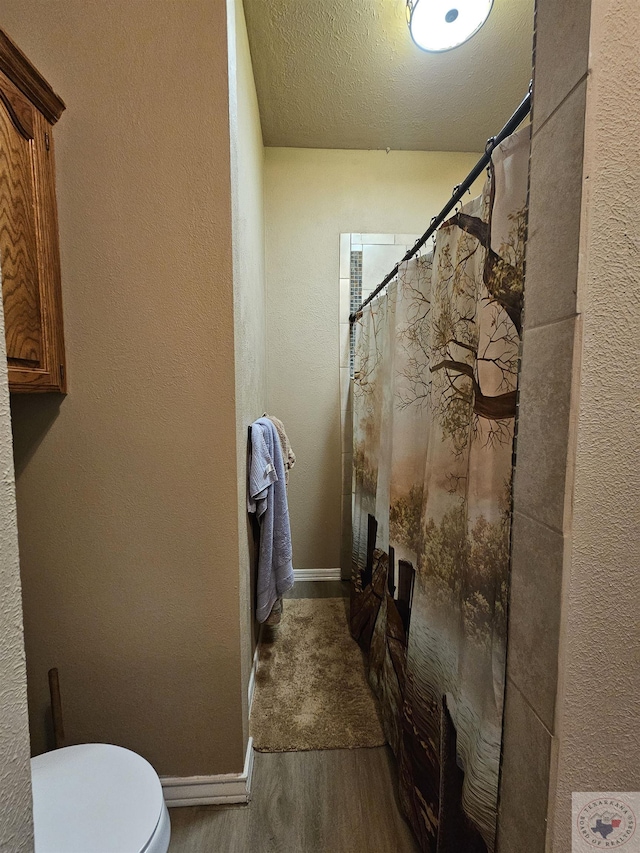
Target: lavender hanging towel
(267, 498)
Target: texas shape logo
(606, 822)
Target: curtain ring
(488, 150)
(458, 206)
(433, 236)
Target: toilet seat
(97, 798)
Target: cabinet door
(29, 259)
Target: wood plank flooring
(331, 801)
(318, 589)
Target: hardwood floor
(319, 589)
(332, 801)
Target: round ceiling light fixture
(438, 25)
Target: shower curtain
(434, 402)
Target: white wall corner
(221, 789)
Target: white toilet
(97, 798)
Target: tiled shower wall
(365, 260)
(542, 508)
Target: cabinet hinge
(62, 374)
(46, 140)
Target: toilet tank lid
(94, 797)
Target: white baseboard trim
(316, 574)
(223, 789)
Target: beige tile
(554, 214)
(561, 53)
(347, 434)
(344, 344)
(347, 473)
(377, 262)
(345, 391)
(347, 431)
(525, 778)
(345, 255)
(406, 240)
(377, 239)
(346, 515)
(534, 613)
(345, 299)
(543, 422)
(345, 537)
(345, 560)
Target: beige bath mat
(311, 688)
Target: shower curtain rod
(458, 192)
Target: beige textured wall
(247, 179)
(16, 827)
(127, 488)
(311, 196)
(599, 684)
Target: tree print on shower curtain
(434, 399)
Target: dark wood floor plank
(318, 589)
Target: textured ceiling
(345, 74)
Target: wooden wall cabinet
(29, 250)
